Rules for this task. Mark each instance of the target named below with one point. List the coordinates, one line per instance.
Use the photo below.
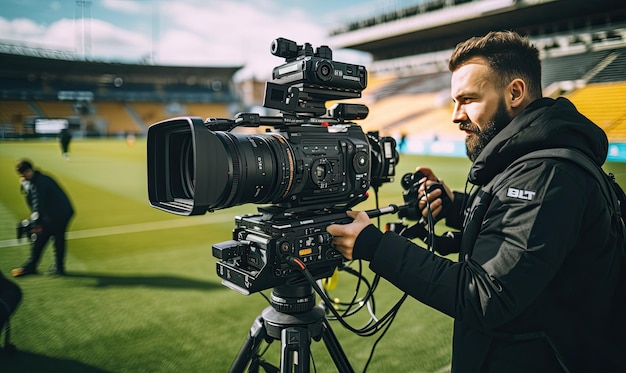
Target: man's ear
(516, 94)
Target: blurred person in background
(65, 137)
(51, 212)
(539, 281)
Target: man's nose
(458, 114)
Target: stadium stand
(104, 98)
(150, 112)
(114, 118)
(54, 109)
(615, 68)
(213, 110)
(13, 113)
(603, 104)
(389, 114)
(435, 125)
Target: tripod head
(293, 298)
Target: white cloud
(107, 40)
(111, 40)
(60, 33)
(232, 33)
(20, 28)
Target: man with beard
(537, 284)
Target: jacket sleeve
(454, 216)
(530, 226)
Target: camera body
(258, 256)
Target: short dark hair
(509, 55)
(24, 165)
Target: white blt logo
(526, 195)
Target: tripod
(294, 320)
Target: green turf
(141, 293)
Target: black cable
(368, 331)
(362, 301)
(369, 359)
(267, 299)
(361, 279)
(430, 222)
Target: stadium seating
(55, 109)
(603, 104)
(113, 118)
(150, 112)
(206, 110)
(14, 112)
(435, 124)
(614, 70)
(386, 113)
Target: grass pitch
(141, 294)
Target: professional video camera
(24, 229)
(314, 166)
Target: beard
(476, 142)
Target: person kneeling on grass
(51, 212)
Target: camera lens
(187, 174)
(192, 170)
(262, 169)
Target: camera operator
(537, 285)
(51, 211)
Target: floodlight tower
(82, 27)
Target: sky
(184, 32)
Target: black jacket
(52, 204)
(536, 285)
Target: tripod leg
(250, 346)
(295, 340)
(334, 349)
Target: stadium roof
(425, 30)
(51, 67)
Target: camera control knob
(324, 238)
(361, 162)
(285, 247)
(324, 70)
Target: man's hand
(434, 197)
(344, 235)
